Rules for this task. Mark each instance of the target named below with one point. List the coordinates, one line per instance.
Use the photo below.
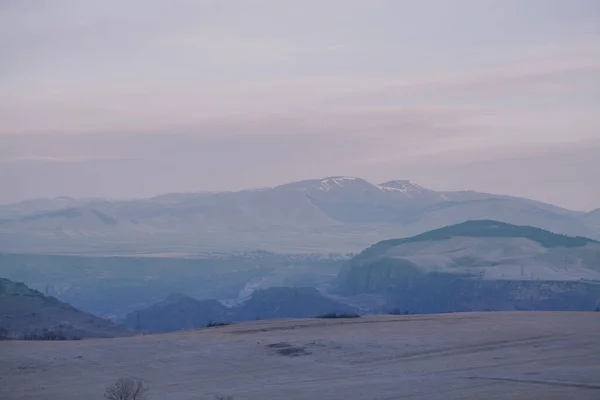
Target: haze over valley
(309, 248)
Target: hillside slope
(494, 250)
(479, 265)
(28, 313)
(482, 229)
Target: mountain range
(335, 214)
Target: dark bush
(126, 389)
(397, 311)
(214, 324)
(48, 335)
(338, 315)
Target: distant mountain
(27, 313)
(335, 214)
(479, 265)
(33, 206)
(179, 312)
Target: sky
(138, 98)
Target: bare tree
(126, 389)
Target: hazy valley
(473, 266)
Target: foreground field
(503, 355)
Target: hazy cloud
(143, 97)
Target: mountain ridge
(400, 184)
(332, 214)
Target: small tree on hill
(126, 389)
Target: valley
(472, 266)
(114, 286)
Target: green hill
(481, 229)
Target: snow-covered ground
(503, 258)
(512, 355)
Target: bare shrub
(126, 389)
(47, 334)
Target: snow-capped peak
(404, 186)
(329, 183)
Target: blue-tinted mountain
(335, 214)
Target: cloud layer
(213, 95)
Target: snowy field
(502, 355)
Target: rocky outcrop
(409, 289)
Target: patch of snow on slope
(328, 183)
(402, 186)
